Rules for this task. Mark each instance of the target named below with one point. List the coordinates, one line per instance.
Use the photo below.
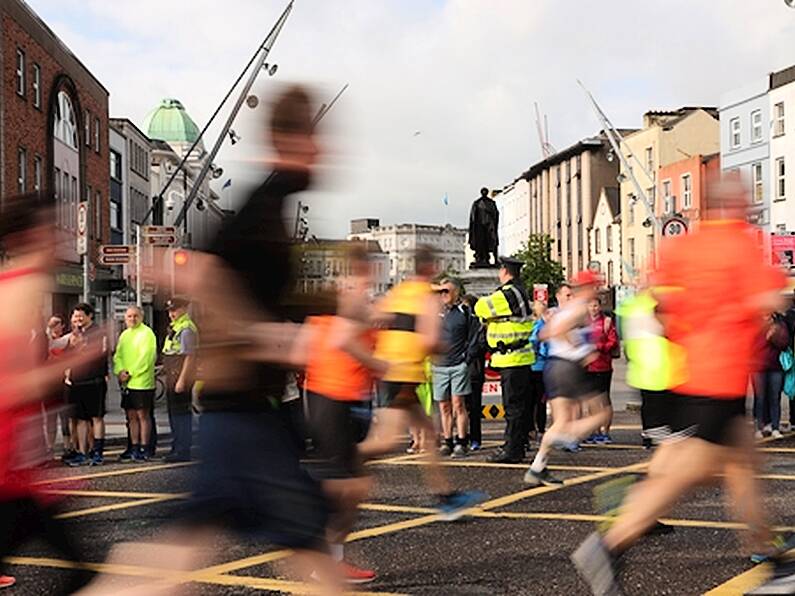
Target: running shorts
(335, 429)
(137, 399)
(89, 399)
(600, 382)
(713, 420)
(567, 379)
(396, 394)
(657, 409)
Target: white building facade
(605, 236)
(782, 150)
(513, 203)
(400, 242)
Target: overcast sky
(441, 91)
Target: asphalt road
(517, 543)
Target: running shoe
(78, 460)
(573, 447)
(459, 451)
(455, 505)
(474, 446)
(126, 456)
(782, 580)
(445, 450)
(595, 566)
(778, 545)
(767, 430)
(604, 439)
(356, 575)
(592, 440)
(412, 449)
(776, 434)
(541, 478)
(68, 456)
(6, 581)
(96, 459)
(140, 456)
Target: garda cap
(176, 302)
(511, 263)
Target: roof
(126, 122)
(782, 77)
(670, 118)
(170, 122)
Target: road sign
(82, 227)
(116, 254)
(541, 293)
(782, 247)
(159, 235)
(675, 226)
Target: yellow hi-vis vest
(399, 344)
(509, 324)
(655, 362)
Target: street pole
(138, 284)
(264, 51)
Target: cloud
(463, 72)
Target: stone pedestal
(480, 282)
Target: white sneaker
(767, 430)
(776, 434)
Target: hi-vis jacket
(655, 362)
(509, 324)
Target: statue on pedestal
(483, 239)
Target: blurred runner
(339, 381)
(134, 365)
(569, 389)
(708, 408)
(27, 237)
(410, 317)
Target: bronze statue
(483, 240)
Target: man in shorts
(449, 371)
(569, 390)
(134, 365)
(708, 408)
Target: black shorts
(250, 480)
(137, 399)
(396, 394)
(713, 420)
(335, 429)
(568, 379)
(88, 399)
(657, 414)
(600, 382)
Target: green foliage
(539, 268)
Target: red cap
(586, 278)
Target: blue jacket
(540, 348)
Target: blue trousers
(767, 398)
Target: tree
(539, 268)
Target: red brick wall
(26, 126)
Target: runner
(708, 407)
(339, 380)
(568, 387)
(410, 315)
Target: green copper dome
(170, 122)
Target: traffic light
(180, 258)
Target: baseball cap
(586, 278)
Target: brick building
(53, 137)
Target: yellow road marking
(739, 585)
(133, 469)
(115, 507)
(485, 464)
(110, 494)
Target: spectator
(538, 397)
(450, 372)
(600, 370)
(134, 365)
(476, 364)
(769, 380)
(89, 387)
(57, 406)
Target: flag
(227, 184)
(444, 199)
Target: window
(37, 173)
(96, 135)
(610, 273)
(778, 119)
(651, 194)
(668, 204)
(758, 184)
(87, 128)
(756, 126)
(65, 126)
(650, 160)
(687, 187)
(115, 165)
(115, 216)
(734, 133)
(36, 86)
(609, 238)
(20, 73)
(98, 216)
(631, 209)
(22, 169)
(597, 244)
(631, 248)
(780, 180)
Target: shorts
(567, 379)
(250, 481)
(657, 413)
(713, 420)
(600, 382)
(137, 399)
(450, 380)
(335, 429)
(88, 399)
(397, 394)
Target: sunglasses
(444, 291)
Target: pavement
(517, 542)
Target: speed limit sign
(675, 226)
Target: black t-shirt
(96, 369)
(255, 245)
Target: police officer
(508, 316)
(179, 359)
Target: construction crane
(543, 134)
